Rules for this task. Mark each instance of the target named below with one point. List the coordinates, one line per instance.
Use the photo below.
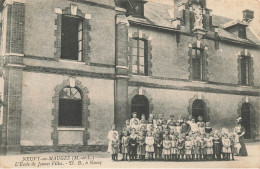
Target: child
(149, 141)
(128, 127)
(216, 147)
(132, 121)
(209, 147)
(232, 145)
(181, 147)
(195, 147)
(132, 145)
(135, 125)
(226, 147)
(194, 126)
(201, 125)
(208, 128)
(190, 119)
(158, 144)
(125, 146)
(174, 149)
(167, 148)
(143, 122)
(171, 125)
(141, 146)
(164, 125)
(188, 147)
(202, 147)
(171, 119)
(114, 147)
(178, 128)
(110, 137)
(185, 127)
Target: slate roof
(156, 14)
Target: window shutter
(192, 20)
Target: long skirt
(242, 151)
(166, 151)
(141, 149)
(209, 150)
(125, 149)
(149, 148)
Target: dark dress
(132, 146)
(158, 143)
(239, 130)
(208, 129)
(216, 146)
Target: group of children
(171, 140)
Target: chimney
(248, 16)
(178, 6)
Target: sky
(231, 9)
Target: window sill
(72, 61)
(71, 129)
(198, 81)
(136, 75)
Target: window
(139, 57)
(71, 38)
(245, 115)
(245, 69)
(140, 105)
(242, 32)
(198, 64)
(70, 107)
(134, 8)
(198, 109)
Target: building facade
(72, 68)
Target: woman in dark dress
(240, 132)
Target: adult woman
(240, 132)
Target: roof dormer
(134, 7)
(238, 27)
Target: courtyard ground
(102, 160)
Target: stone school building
(69, 69)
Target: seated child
(194, 126)
(178, 128)
(208, 128)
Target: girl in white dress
(149, 148)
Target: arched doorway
(140, 105)
(70, 107)
(245, 115)
(198, 109)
